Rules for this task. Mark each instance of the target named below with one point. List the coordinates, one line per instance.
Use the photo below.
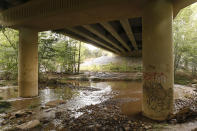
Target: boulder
(54, 103)
(21, 113)
(28, 125)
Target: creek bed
(117, 101)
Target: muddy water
(129, 93)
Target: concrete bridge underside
(124, 27)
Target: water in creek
(128, 92)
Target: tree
(184, 37)
(9, 53)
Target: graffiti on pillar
(157, 77)
(157, 98)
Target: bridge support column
(158, 77)
(28, 63)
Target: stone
(54, 103)
(5, 122)
(28, 125)
(58, 115)
(127, 128)
(194, 81)
(129, 122)
(194, 85)
(44, 107)
(173, 121)
(184, 111)
(45, 120)
(48, 110)
(19, 113)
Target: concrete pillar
(28, 63)
(158, 77)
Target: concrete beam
(127, 27)
(82, 39)
(111, 30)
(93, 39)
(103, 36)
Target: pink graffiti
(155, 77)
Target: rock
(45, 120)
(181, 115)
(91, 126)
(28, 125)
(173, 121)
(194, 85)
(49, 110)
(127, 128)
(129, 122)
(5, 122)
(20, 122)
(58, 115)
(12, 117)
(184, 111)
(98, 126)
(29, 112)
(44, 107)
(194, 81)
(54, 103)
(19, 113)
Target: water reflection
(129, 93)
(8, 92)
(48, 94)
(86, 97)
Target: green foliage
(8, 53)
(183, 78)
(185, 40)
(55, 51)
(114, 68)
(46, 51)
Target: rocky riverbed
(104, 116)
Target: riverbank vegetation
(185, 45)
(57, 53)
(114, 67)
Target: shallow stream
(128, 93)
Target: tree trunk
(79, 58)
